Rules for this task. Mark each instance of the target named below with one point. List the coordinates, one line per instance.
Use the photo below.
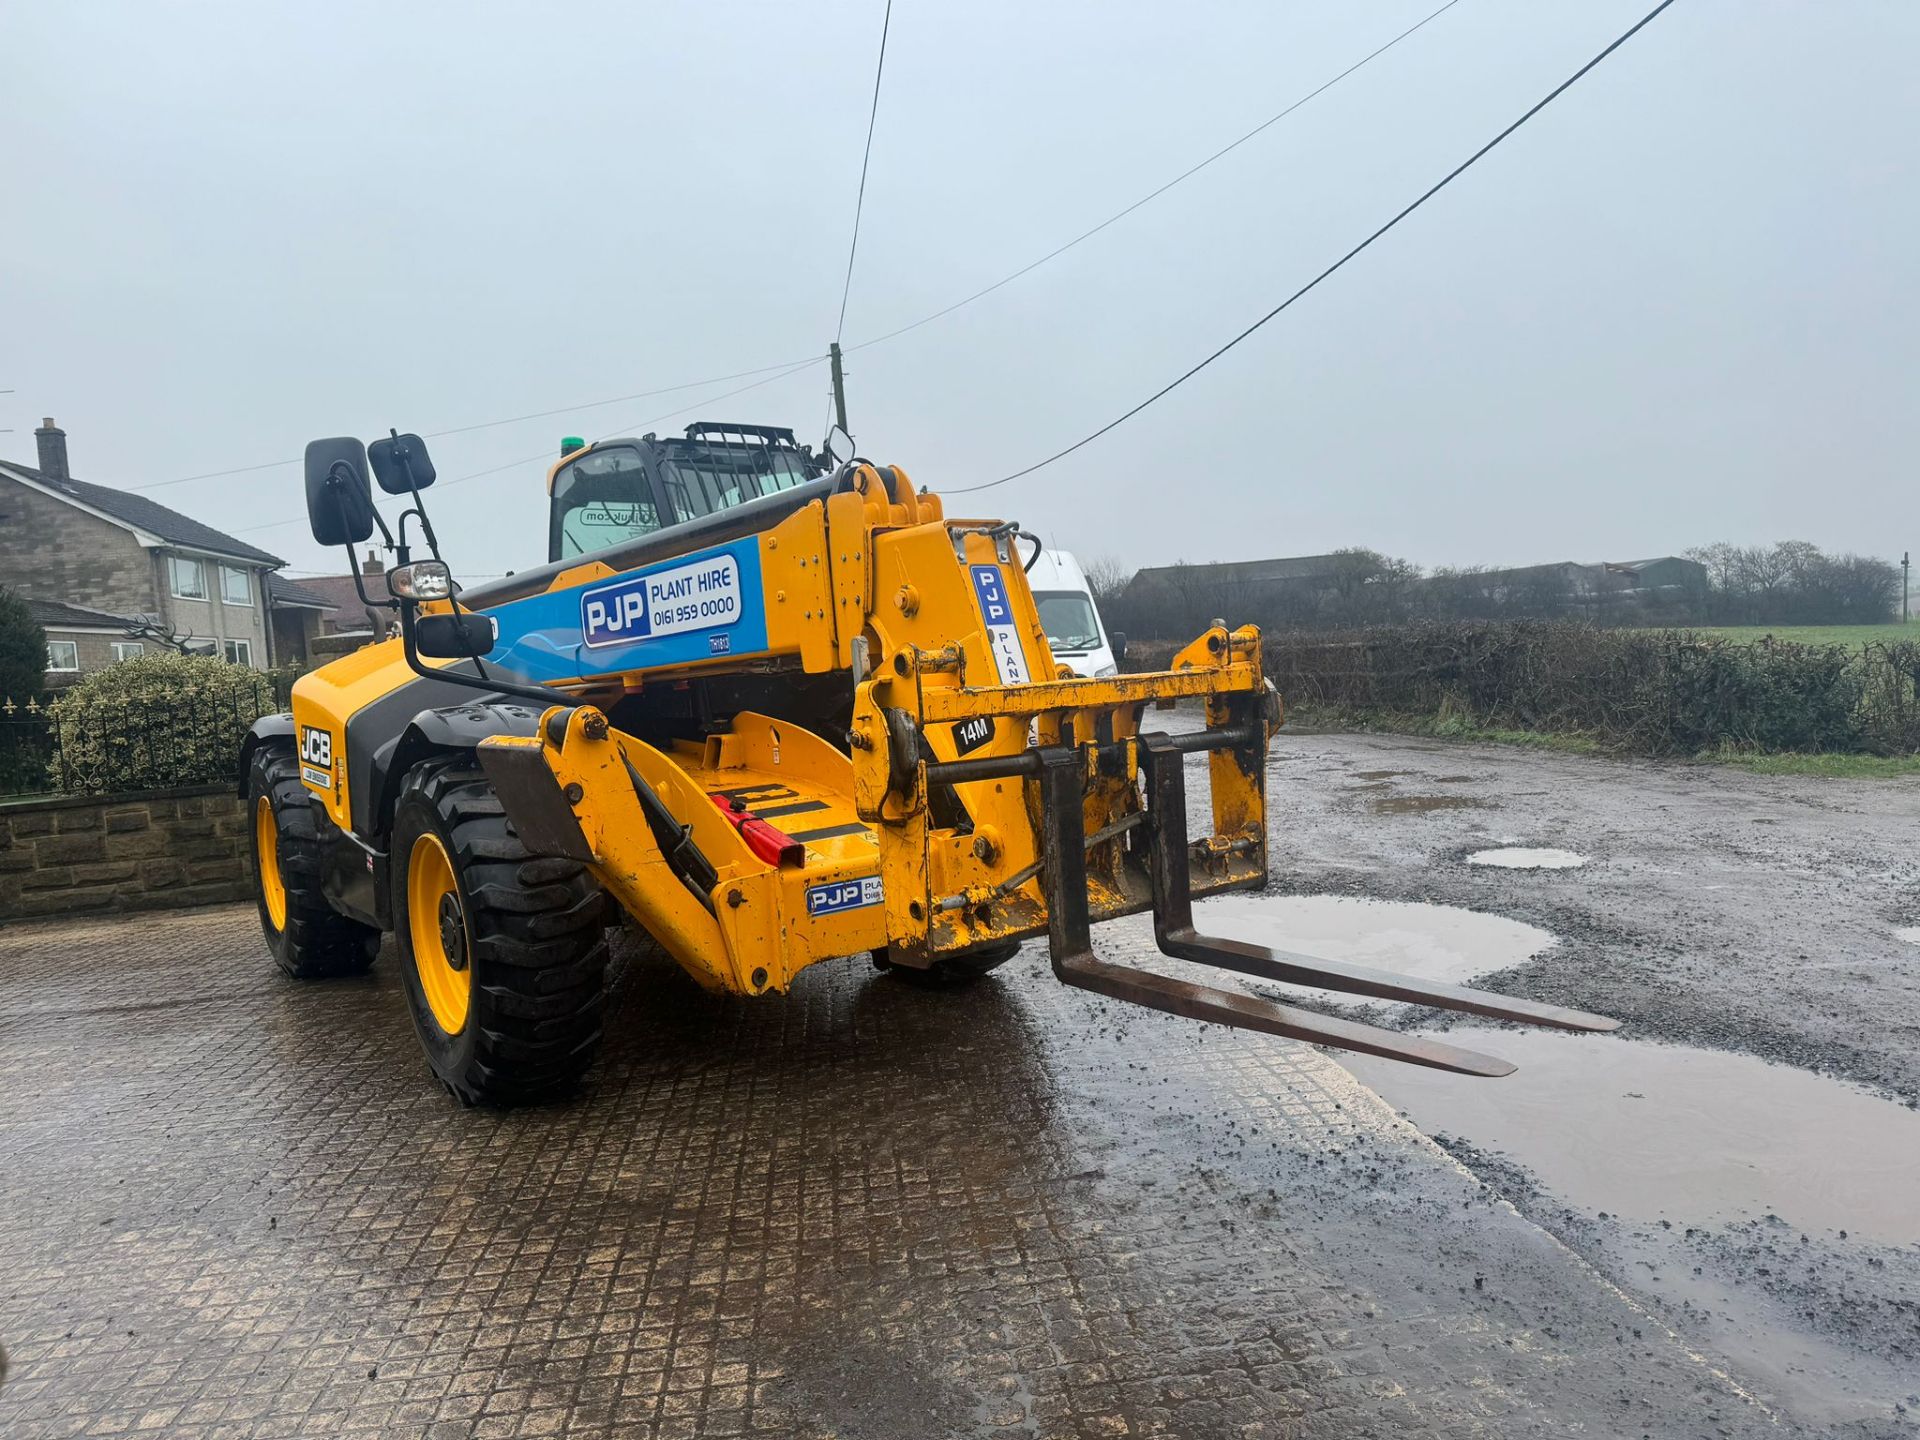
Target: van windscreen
(1067, 617)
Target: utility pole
(1906, 563)
(839, 389)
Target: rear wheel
(310, 940)
(952, 972)
(504, 952)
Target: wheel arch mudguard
(264, 731)
(438, 731)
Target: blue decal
(843, 895)
(991, 588)
(695, 594)
(1003, 639)
(683, 610)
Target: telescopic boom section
(981, 796)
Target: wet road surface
(1742, 1157)
(231, 1205)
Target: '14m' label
(1002, 638)
(697, 595)
(843, 895)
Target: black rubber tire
(317, 942)
(536, 940)
(953, 973)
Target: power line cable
(1442, 184)
(927, 319)
(510, 420)
(860, 200)
(547, 454)
(1152, 195)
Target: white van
(1068, 615)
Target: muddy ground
(1719, 908)
(236, 1206)
(1770, 1212)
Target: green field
(1812, 634)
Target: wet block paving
(234, 1205)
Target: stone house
(80, 640)
(299, 614)
(93, 559)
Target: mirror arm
(452, 676)
(360, 588)
(426, 526)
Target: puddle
(1430, 942)
(1768, 1210)
(1424, 804)
(1520, 857)
(1662, 1132)
(1377, 774)
(1908, 933)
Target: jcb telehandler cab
(777, 709)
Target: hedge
(1655, 692)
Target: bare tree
(153, 628)
(1107, 577)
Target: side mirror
(1117, 639)
(465, 636)
(401, 464)
(339, 500)
(837, 447)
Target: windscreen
(1067, 617)
(601, 499)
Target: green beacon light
(569, 444)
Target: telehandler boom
(775, 709)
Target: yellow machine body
(824, 723)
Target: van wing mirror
(1117, 642)
(339, 500)
(465, 636)
(401, 464)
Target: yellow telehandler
(778, 708)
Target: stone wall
(72, 855)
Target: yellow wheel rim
(266, 845)
(437, 927)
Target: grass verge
(1846, 767)
(1808, 634)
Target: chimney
(371, 565)
(53, 450)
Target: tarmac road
(231, 1205)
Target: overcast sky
(1681, 305)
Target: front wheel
(504, 952)
(310, 940)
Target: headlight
(422, 580)
(1106, 670)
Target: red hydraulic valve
(776, 847)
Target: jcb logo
(316, 757)
(316, 747)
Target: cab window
(706, 479)
(601, 499)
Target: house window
(189, 577)
(127, 650)
(238, 652)
(63, 655)
(236, 586)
